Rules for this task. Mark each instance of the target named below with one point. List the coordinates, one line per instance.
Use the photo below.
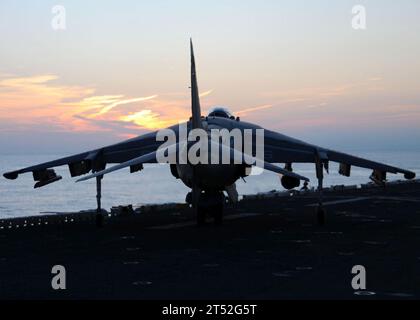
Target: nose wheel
(209, 204)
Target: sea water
(153, 185)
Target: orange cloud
(147, 119)
(35, 96)
(253, 109)
(119, 102)
(40, 101)
(205, 94)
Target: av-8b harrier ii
(208, 182)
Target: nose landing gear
(210, 203)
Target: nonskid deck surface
(268, 248)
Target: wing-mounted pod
(321, 163)
(345, 170)
(80, 168)
(378, 177)
(93, 162)
(136, 168)
(45, 177)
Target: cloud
(34, 102)
(35, 96)
(254, 109)
(117, 103)
(42, 103)
(205, 94)
(147, 119)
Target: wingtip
(410, 175)
(11, 175)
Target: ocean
(153, 185)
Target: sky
(121, 68)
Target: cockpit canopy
(220, 112)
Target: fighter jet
(209, 182)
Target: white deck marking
(331, 203)
(193, 223)
(398, 199)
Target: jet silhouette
(209, 181)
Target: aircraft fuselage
(210, 177)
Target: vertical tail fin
(195, 97)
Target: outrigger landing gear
(99, 216)
(320, 176)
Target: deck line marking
(193, 223)
(331, 203)
(398, 199)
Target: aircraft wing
(174, 149)
(91, 161)
(349, 160)
(283, 149)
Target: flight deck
(269, 247)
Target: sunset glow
(316, 75)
